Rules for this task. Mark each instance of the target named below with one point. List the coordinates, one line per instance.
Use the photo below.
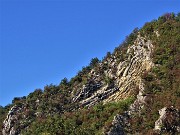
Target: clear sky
(43, 41)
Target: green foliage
(17, 100)
(162, 83)
(94, 62)
(108, 55)
(85, 121)
(3, 113)
(108, 80)
(147, 77)
(2, 116)
(130, 39)
(178, 17)
(64, 81)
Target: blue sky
(43, 41)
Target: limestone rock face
(121, 121)
(10, 121)
(114, 80)
(125, 76)
(18, 118)
(169, 120)
(129, 78)
(129, 71)
(139, 102)
(118, 124)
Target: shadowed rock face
(169, 120)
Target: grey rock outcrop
(121, 121)
(8, 124)
(169, 120)
(118, 124)
(125, 75)
(113, 81)
(129, 75)
(129, 71)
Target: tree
(178, 17)
(94, 62)
(64, 81)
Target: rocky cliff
(126, 75)
(123, 94)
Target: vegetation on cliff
(59, 110)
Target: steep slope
(123, 93)
(125, 75)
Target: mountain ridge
(112, 96)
